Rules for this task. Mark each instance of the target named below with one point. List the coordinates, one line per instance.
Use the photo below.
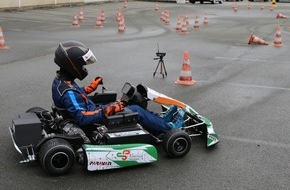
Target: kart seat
(61, 112)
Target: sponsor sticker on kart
(126, 133)
(110, 158)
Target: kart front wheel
(177, 143)
(57, 157)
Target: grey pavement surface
(243, 89)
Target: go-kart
(53, 139)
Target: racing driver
(72, 57)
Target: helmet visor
(89, 57)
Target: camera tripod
(160, 64)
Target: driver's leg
(150, 120)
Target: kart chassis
(39, 130)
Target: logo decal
(213, 138)
(124, 155)
(97, 163)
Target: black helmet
(72, 56)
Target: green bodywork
(212, 137)
(103, 157)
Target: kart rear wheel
(177, 143)
(40, 112)
(35, 110)
(57, 157)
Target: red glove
(114, 108)
(94, 85)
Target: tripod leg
(156, 69)
(161, 68)
(163, 65)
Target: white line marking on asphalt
(258, 86)
(252, 86)
(16, 29)
(240, 44)
(38, 21)
(258, 142)
(253, 60)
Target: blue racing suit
(69, 96)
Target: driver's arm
(94, 85)
(82, 109)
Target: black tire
(177, 143)
(192, 1)
(35, 110)
(57, 157)
(40, 112)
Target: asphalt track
(243, 89)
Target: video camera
(159, 57)
(158, 54)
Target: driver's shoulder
(63, 86)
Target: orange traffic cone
(167, 21)
(162, 16)
(121, 25)
(119, 15)
(184, 28)
(99, 22)
(2, 41)
(278, 38)
(156, 6)
(185, 75)
(81, 16)
(186, 19)
(178, 26)
(271, 7)
(125, 5)
(279, 15)
(249, 6)
(205, 21)
(262, 6)
(235, 7)
(255, 40)
(196, 23)
(103, 17)
(75, 22)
